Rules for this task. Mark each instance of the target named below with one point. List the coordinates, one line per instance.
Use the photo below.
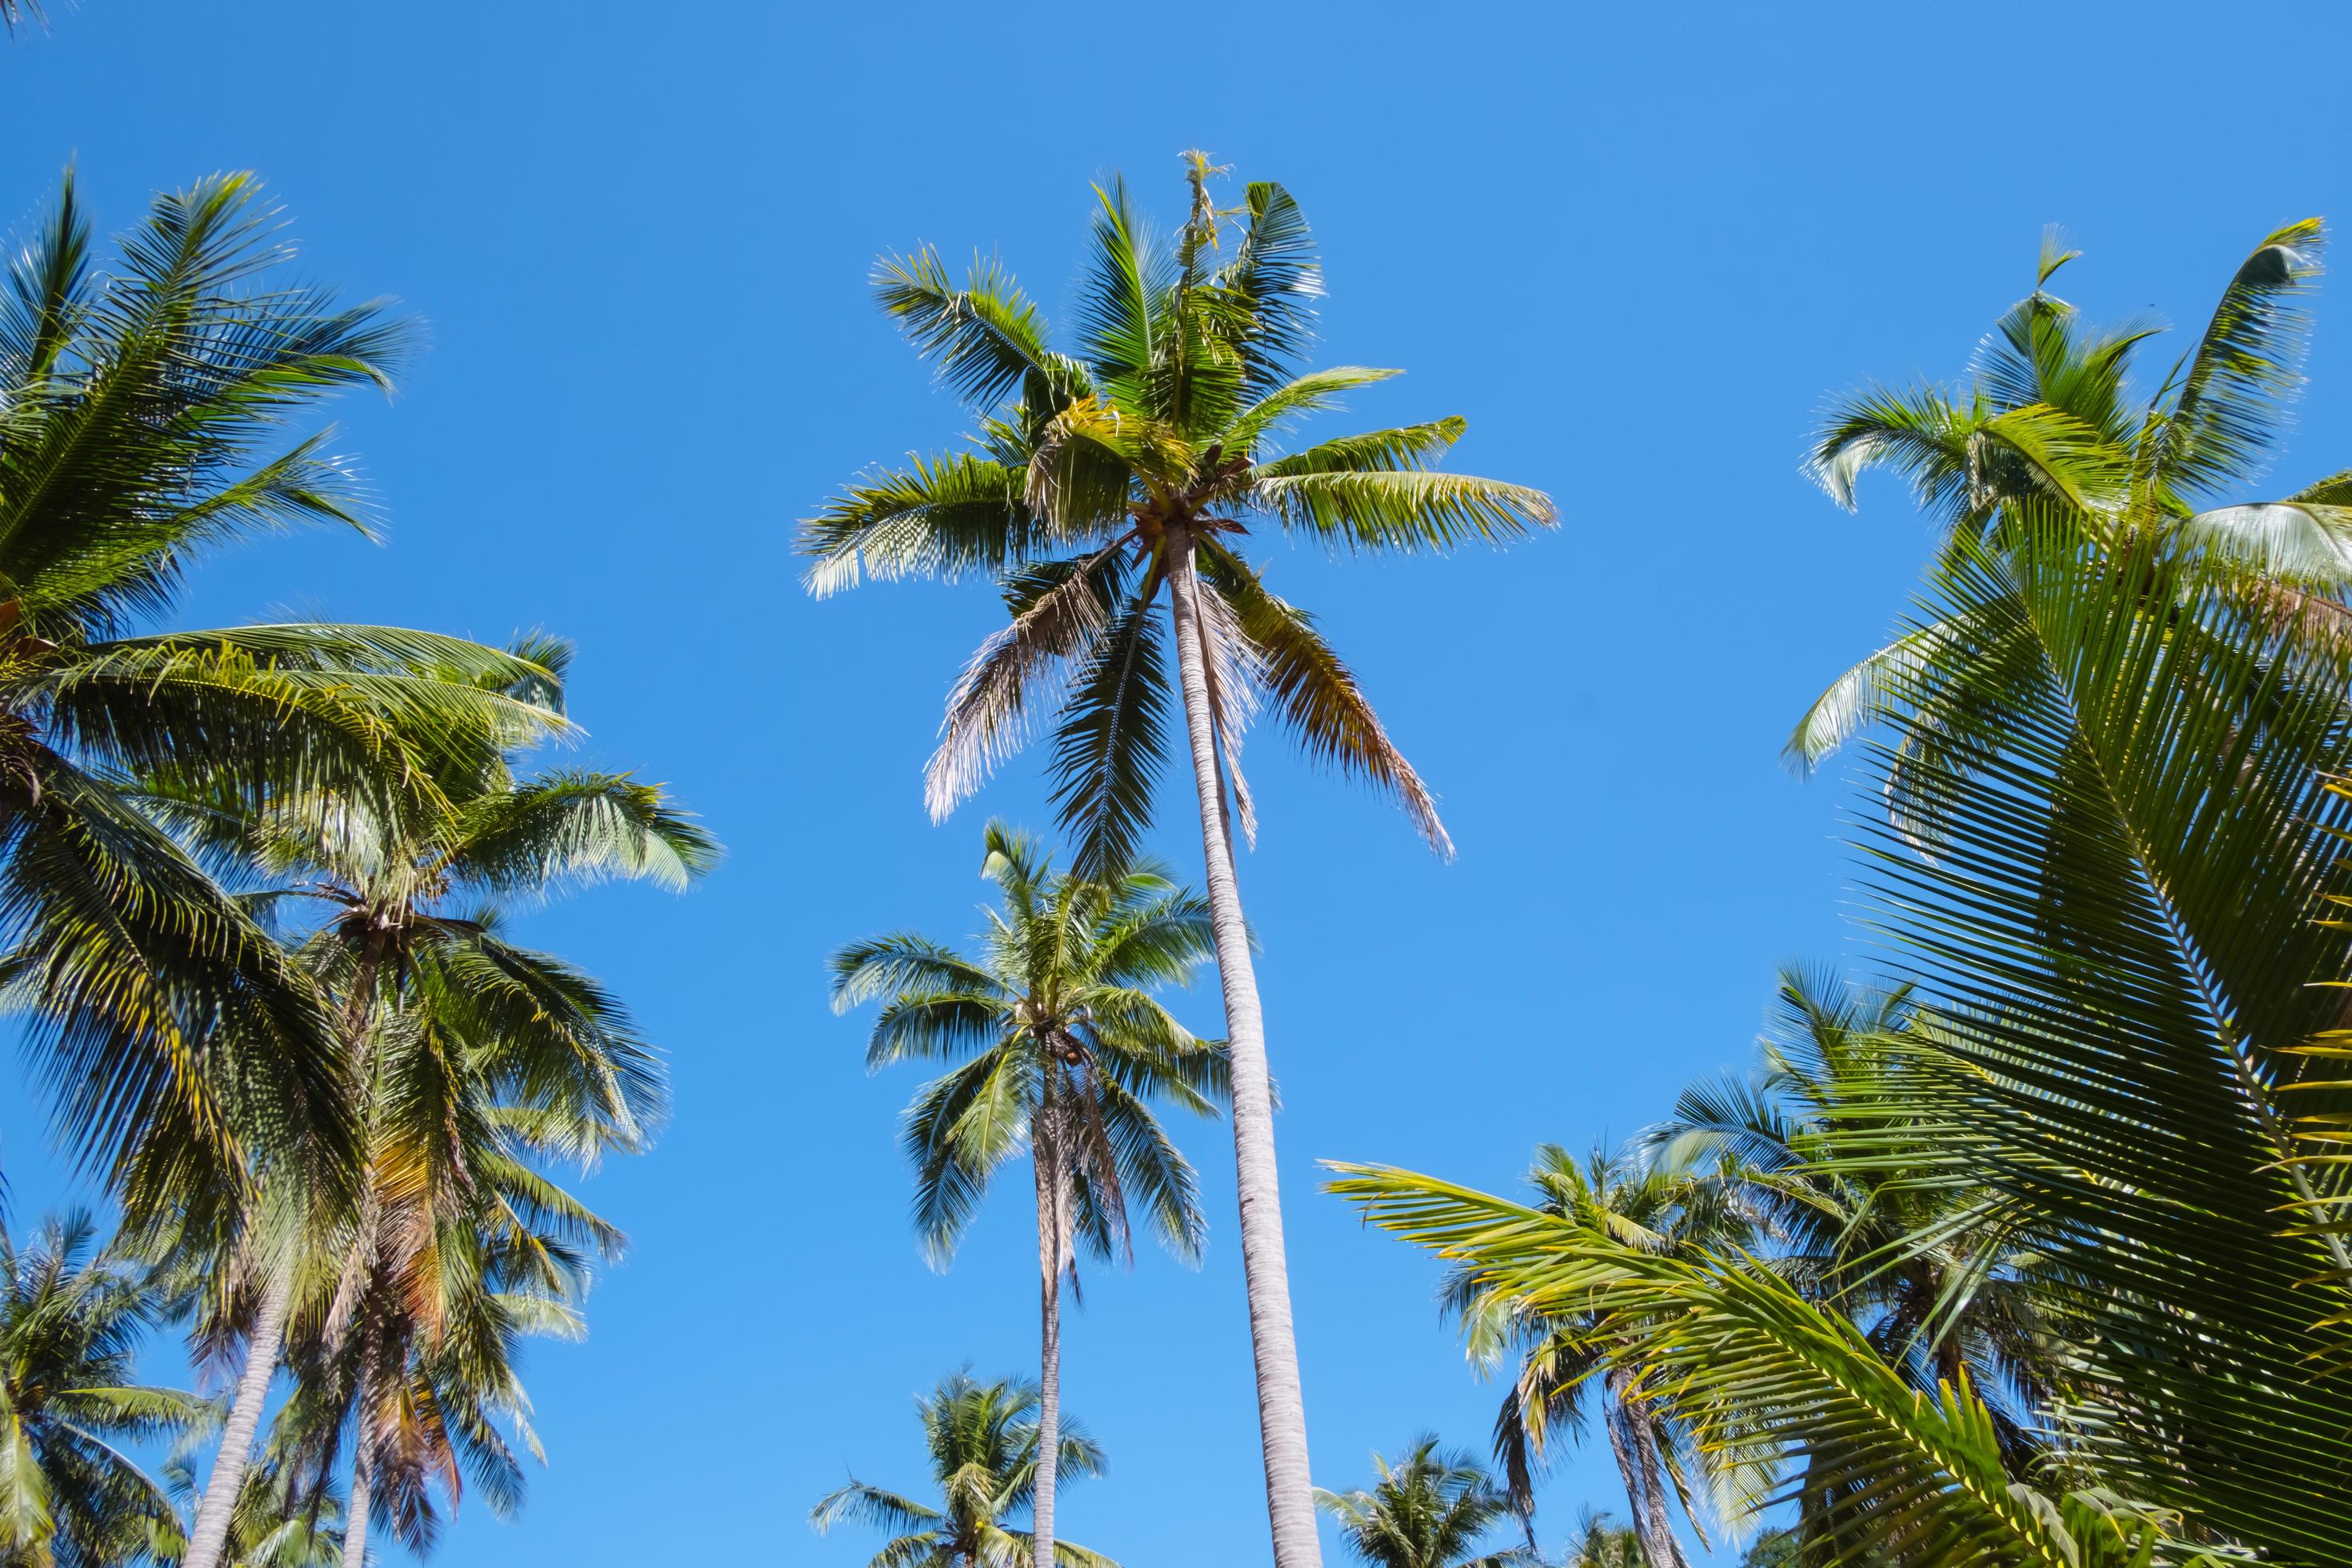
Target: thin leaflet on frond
(1060, 610)
(1315, 693)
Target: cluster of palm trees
(2031, 1249)
(1105, 482)
(251, 884)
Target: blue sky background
(1636, 246)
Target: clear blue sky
(1636, 246)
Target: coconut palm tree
(1936, 1292)
(286, 1517)
(1428, 1510)
(983, 1439)
(480, 1060)
(1065, 1050)
(1131, 471)
(144, 408)
(1597, 1543)
(2047, 435)
(70, 1323)
(1568, 1361)
(144, 415)
(2116, 838)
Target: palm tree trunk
(1044, 1153)
(1653, 1476)
(1281, 1408)
(209, 1536)
(1636, 1451)
(355, 1517)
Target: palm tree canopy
(981, 1438)
(1428, 1510)
(2112, 1089)
(482, 1062)
(1055, 1015)
(1165, 420)
(144, 416)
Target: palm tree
(1102, 480)
(1065, 1050)
(2047, 435)
(1937, 1292)
(284, 1519)
(1597, 1543)
(1428, 1510)
(143, 408)
(2114, 729)
(479, 1059)
(983, 1439)
(70, 1323)
(1568, 1359)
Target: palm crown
(1162, 428)
(1065, 1048)
(981, 1438)
(2048, 433)
(1428, 1510)
(481, 1060)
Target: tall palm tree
(142, 415)
(478, 1058)
(1132, 470)
(1066, 1048)
(285, 1517)
(1428, 1510)
(983, 1439)
(70, 1323)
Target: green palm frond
(941, 516)
(2244, 369)
(1316, 695)
(572, 827)
(1755, 1368)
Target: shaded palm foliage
(983, 1441)
(1569, 1362)
(1065, 1050)
(2112, 730)
(1597, 1543)
(1130, 470)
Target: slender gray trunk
(209, 1536)
(1045, 1151)
(1653, 1476)
(1637, 1466)
(355, 1517)
(1281, 1408)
